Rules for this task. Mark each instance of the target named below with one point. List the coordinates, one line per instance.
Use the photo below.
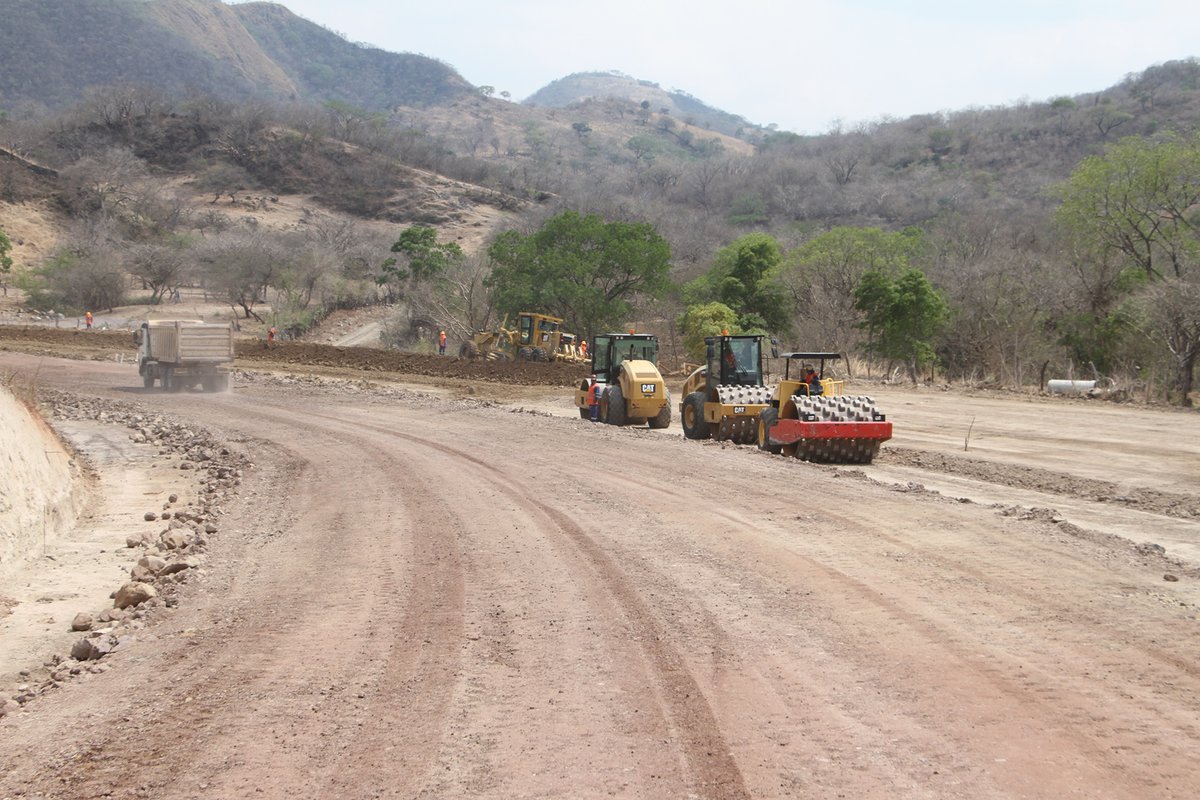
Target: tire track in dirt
(398, 635)
(1044, 480)
(320, 654)
(845, 573)
(694, 728)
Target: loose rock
(134, 593)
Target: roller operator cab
(723, 398)
(631, 390)
(809, 416)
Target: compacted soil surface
(419, 592)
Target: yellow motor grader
(723, 398)
(537, 337)
(631, 390)
(810, 418)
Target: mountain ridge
(53, 52)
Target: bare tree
(159, 267)
(100, 184)
(1173, 310)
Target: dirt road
(421, 597)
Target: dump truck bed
(190, 342)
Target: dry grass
(35, 230)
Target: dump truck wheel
(766, 419)
(148, 380)
(585, 414)
(616, 406)
(168, 380)
(694, 426)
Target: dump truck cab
(723, 398)
(633, 391)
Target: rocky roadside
(162, 561)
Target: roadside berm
(38, 500)
(148, 493)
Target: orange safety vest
(583, 348)
(594, 394)
(442, 338)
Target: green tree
(422, 258)
(745, 278)
(903, 316)
(822, 275)
(73, 282)
(644, 149)
(706, 319)
(581, 268)
(6, 261)
(748, 210)
(1129, 218)
(1138, 201)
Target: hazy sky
(800, 64)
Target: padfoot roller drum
(741, 427)
(837, 430)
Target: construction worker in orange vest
(441, 343)
(88, 319)
(583, 348)
(594, 399)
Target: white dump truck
(182, 354)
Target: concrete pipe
(1070, 387)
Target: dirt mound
(74, 343)
(373, 360)
(1043, 480)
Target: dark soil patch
(75, 343)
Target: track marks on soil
(709, 769)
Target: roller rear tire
(617, 412)
(766, 419)
(694, 426)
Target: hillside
(144, 179)
(583, 86)
(55, 52)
